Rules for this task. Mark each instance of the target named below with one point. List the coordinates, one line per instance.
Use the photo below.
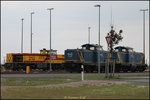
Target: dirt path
(87, 82)
(72, 84)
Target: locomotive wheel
(125, 70)
(133, 70)
(117, 69)
(86, 69)
(44, 69)
(69, 70)
(141, 69)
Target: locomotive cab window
(116, 50)
(52, 52)
(130, 50)
(99, 48)
(124, 50)
(84, 48)
(41, 52)
(92, 48)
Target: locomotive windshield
(84, 48)
(116, 50)
(130, 50)
(52, 52)
(99, 48)
(123, 49)
(91, 47)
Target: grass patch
(135, 75)
(90, 77)
(31, 81)
(58, 80)
(96, 77)
(109, 91)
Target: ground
(71, 87)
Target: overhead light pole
(144, 29)
(98, 40)
(0, 47)
(89, 34)
(31, 30)
(22, 36)
(50, 38)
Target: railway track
(33, 72)
(52, 72)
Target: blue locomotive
(129, 60)
(125, 59)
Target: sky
(70, 22)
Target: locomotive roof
(94, 45)
(123, 47)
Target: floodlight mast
(22, 35)
(50, 39)
(31, 30)
(144, 30)
(98, 40)
(89, 34)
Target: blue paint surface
(92, 55)
(71, 54)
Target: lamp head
(97, 6)
(143, 9)
(50, 8)
(32, 12)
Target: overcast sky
(70, 22)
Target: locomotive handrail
(80, 56)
